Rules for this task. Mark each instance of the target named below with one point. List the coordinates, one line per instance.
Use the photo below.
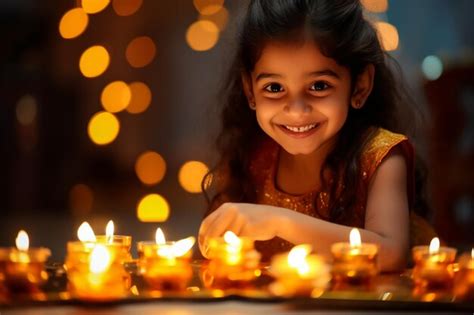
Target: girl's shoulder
(380, 145)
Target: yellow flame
(22, 241)
(434, 246)
(99, 259)
(109, 231)
(181, 247)
(354, 238)
(472, 253)
(160, 237)
(232, 239)
(85, 233)
(297, 258)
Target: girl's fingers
(218, 227)
(210, 219)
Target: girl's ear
(247, 84)
(363, 87)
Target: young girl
(305, 148)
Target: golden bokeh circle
(150, 168)
(388, 35)
(94, 61)
(202, 35)
(220, 18)
(191, 175)
(376, 6)
(208, 7)
(73, 23)
(103, 128)
(141, 97)
(126, 7)
(140, 51)
(94, 6)
(153, 208)
(116, 96)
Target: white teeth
(300, 129)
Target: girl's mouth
(300, 131)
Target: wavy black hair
(341, 32)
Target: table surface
(390, 293)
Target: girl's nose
(297, 106)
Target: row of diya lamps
(95, 266)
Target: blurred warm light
(81, 199)
(150, 168)
(73, 23)
(141, 97)
(140, 51)
(126, 7)
(99, 259)
(220, 18)
(297, 258)
(22, 241)
(85, 233)
(191, 174)
(376, 6)
(434, 246)
(103, 128)
(432, 67)
(109, 231)
(208, 7)
(388, 35)
(181, 247)
(354, 238)
(202, 35)
(26, 110)
(94, 61)
(116, 96)
(160, 236)
(153, 208)
(232, 239)
(94, 6)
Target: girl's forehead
(293, 56)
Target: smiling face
(301, 97)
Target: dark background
(41, 162)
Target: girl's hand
(258, 222)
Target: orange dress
(263, 171)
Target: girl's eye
(274, 88)
(319, 86)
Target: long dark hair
(342, 33)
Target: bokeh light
(81, 199)
(208, 7)
(126, 7)
(116, 96)
(94, 61)
(94, 6)
(432, 67)
(140, 51)
(150, 168)
(202, 35)
(220, 18)
(26, 110)
(191, 175)
(153, 208)
(376, 6)
(103, 128)
(141, 97)
(73, 23)
(388, 35)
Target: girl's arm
(386, 222)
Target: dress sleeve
(382, 144)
